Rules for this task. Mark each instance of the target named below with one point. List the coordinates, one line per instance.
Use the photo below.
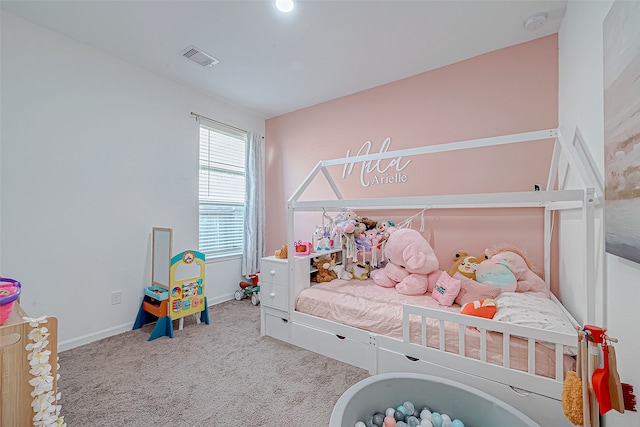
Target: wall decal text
(381, 171)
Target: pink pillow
(446, 289)
(470, 290)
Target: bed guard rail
(531, 381)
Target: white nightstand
(277, 295)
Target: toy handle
(13, 296)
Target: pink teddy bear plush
(410, 261)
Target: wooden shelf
(15, 391)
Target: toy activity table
(173, 295)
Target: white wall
(96, 152)
(581, 105)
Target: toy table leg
(164, 327)
(204, 314)
(141, 319)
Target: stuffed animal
(369, 223)
(342, 273)
(519, 265)
(360, 270)
(283, 252)
(482, 308)
(326, 265)
(383, 226)
(362, 242)
(372, 236)
(465, 264)
(496, 272)
(321, 240)
(345, 222)
(410, 259)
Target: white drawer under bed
(344, 343)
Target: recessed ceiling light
(284, 5)
(535, 22)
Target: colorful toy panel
(181, 297)
(186, 296)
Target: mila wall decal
(377, 172)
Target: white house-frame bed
(535, 395)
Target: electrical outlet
(116, 297)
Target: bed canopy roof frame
(566, 157)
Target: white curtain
(254, 205)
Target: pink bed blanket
(366, 306)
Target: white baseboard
(95, 336)
(115, 330)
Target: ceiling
(274, 63)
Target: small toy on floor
(249, 289)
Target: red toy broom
(610, 392)
(622, 397)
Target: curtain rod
(197, 116)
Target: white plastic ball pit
(473, 407)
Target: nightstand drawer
(273, 295)
(273, 271)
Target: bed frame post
(578, 159)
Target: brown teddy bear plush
(465, 264)
(325, 265)
(283, 252)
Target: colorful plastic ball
(389, 412)
(446, 417)
(425, 414)
(458, 423)
(413, 421)
(389, 421)
(360, 424)
(436, 419)
(409, 408)
(399, 415)
(402, 409)
(422, 408)
(447, 423)
(378, 419)
(401, 424)
(426, 423)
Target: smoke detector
(535, 22)
(199, 57)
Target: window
(222, 189)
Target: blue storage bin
(156, 292)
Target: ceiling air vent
(199, 57)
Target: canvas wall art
(622, 129)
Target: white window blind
(222, 189)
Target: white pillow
(534, 311)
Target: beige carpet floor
(222, 374)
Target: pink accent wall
(511, 90)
